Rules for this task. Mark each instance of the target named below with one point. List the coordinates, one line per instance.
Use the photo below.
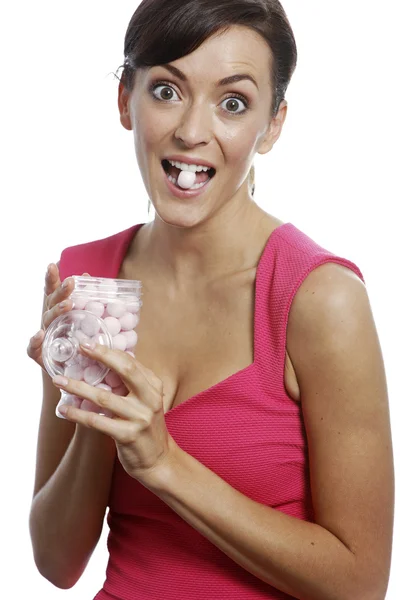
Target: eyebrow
(221, 83)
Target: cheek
(149, 125)
(239, 144)
(145, 134)
(148, 131)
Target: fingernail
(48, 268)
(63, 304)
(65, 284)
(88, 345)
(37, 335)
(60, 380)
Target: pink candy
(112, 379)
(128, 321)
(92, 374)
(131, 339)
(120, 342)
(121, 390)
(133, 306)
(113, 325)
(90, 326)
(80, 302)
(74, 372)
(84, 361)
(116, 308)
(89, 406)
(68, 400)
(97, 308)
(80, 336)
(100, 338)
(71, 400)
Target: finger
(127, 407)
(52, 279)
(152, 379)
(59, 309)
(130, 371)
(122, 432)
(35, 344)
(60, 294)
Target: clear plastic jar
(105, 311)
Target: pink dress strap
(100, 258)
(290, 255)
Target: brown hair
(162, 31)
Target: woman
(251, 457)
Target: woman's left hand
(138, 423)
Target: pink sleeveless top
(245, 428)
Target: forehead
(237, 50)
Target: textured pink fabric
(246, 429)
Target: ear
(123, 105)
(274, 129)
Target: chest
(198, 338)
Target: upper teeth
(185, 167)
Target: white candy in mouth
(186, 179)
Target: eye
(163, 92)
(233, 105)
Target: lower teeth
(195, 186)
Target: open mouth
(173, 173)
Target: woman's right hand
(56, 303)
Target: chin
(184, 217)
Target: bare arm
(346, 554)
(73, 476)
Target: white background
(69, 176)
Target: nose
(195, 127)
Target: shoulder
(334, 347)
(330, 315)
(331, 296)
(330, 293)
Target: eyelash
(157, 84)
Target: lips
(185, 194)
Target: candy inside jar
(105, 311)
(61, 352)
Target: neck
(192, 256)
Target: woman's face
(191, 115)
